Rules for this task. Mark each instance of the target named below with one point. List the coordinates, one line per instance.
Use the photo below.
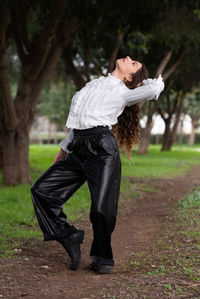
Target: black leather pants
(94, 158)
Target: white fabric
(102, 100)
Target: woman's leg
(51, 191)
(103, 176)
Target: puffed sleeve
(64, 143)
(150, 90)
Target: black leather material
(94, 158)
(72, 246)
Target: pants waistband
(91, 132)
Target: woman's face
(127, 66)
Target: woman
(93, 156)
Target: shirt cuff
(156, 82)
(65, 142)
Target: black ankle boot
(101, 269)
(72, 247)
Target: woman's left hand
(60, 155)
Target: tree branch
(44, 41)
(161, 114)
(23, 26)
(116, 49)
(165, 95)
(86, 54)
(64, 36)
(175, 103)
(173, 67)
(6, 103)
(97, 65)
(163, 63)
(76, 76)
(16, 20)
(179, 111)
(168, 104)
(2, 29)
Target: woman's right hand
(60, 155)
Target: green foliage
(55, 101)
(191, 201)
(101, 22)
(138, 43)
(153, 28)
(197, 13)
(13, 65)
(192, 105)
(178, 25)
(17, 217)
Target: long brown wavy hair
(127, 130)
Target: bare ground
(40, 269)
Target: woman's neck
(116, 73)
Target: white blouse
(102, 100)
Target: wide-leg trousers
(94, 157)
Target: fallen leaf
(45, 267)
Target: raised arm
(150, 90)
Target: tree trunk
(145, 141)
(71, 68)
(168, 137)
(174, 66)
(170, 131)
(169, 141)
(191, 139)
(37, 63)
(16, 157)
(116, 49)
(16, 140)
(157, 139)
(1, 156)
(36, 67)
(163, 63)
(145, 138)
(146, 132)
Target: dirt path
(41, 269)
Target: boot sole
(104, 271)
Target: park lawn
(17, 216)
(166, 164)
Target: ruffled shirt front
(102, 100)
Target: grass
(17, 215)
(166, 164)
(155, 164)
